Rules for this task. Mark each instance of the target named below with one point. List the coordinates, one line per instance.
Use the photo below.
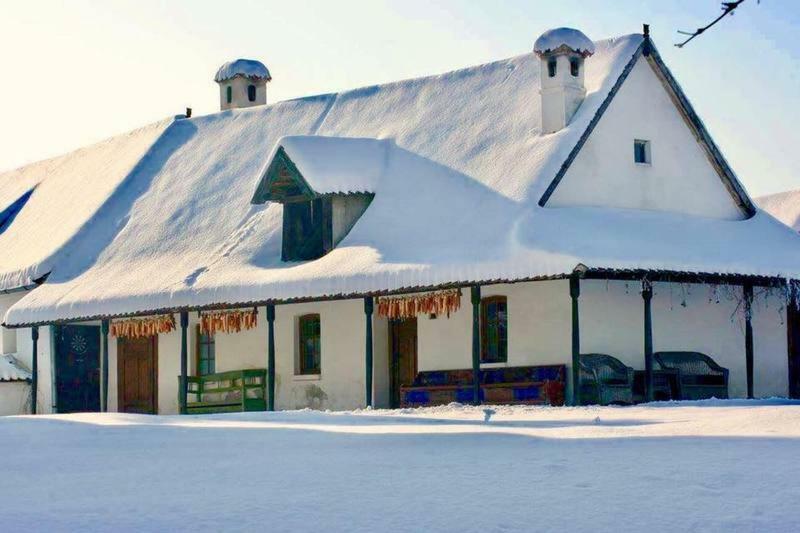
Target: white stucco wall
(680, 179)
(239, 99)
(14, 398)
(45, 398)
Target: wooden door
(137, 373)
(793, 334)
(77, 372)
(403, 353)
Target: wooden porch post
(270, 357)
(747, 289)
(476, 344)
(574, 293)
(34, 367)
(647, 296)
(184, 361)
(368, 307)
(104, 326)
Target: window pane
(494, 340)
(310, 344)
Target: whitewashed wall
(681, 179)
(15, 398)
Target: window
(251, 93)
(304, 225)
(310, 346)
(551, 67)
(574, 66)
(206, 361)
(494, 330)
(641, 152)
(229, 94)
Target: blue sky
(77, 72)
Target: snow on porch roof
(328, 165)
(456, 202)
(12, 370)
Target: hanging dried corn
(143, 327)
(232, 321)
(438, 303)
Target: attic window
(229, 94)
(306, 229)
(574, 66)
(551, 67)
(251, 93)
(641, 152)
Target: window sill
(494, 365)
(638, 164)
(307, 377)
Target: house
(486, 225)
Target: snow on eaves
(12, 370)
(456, 201)
(248, 68)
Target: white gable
(680, 178)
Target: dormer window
(229, 94)
(551, 67)
(574, 66)
(641, 152)
(323, 193)
(251, 93)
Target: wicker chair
(699, 376)
(605, 380)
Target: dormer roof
(313, 165)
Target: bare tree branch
(727, 9)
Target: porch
(363, 359)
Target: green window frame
(206, 354)
(310, 344)
(494, 329)
(251, 93)
(229, 94)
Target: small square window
(641, 152)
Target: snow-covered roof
(248, 68)
(785, 206)
(456, 201)
(333, 164)
(12, 370)
(554, 39)
(67, 192)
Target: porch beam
(270, 357)
(574, 293)
(368, 308)
(183, 393)
(647, 296)
(476, 344)
(34, 367)
(747, 290)
(104, 327)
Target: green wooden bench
(227, 392)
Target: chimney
(561, 52)
(242, 83)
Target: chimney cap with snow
(563, 39)
(246, 68)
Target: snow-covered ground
(706, 466)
